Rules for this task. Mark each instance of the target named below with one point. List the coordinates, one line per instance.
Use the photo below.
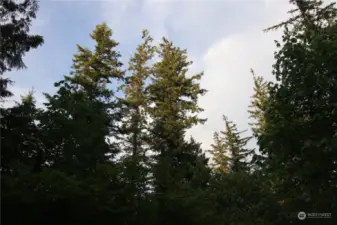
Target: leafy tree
(15, 22)
(300, 135)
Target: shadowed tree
(15, 21)
(84, 109)
(299, 137)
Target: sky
(224, 39)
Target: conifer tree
(219, 153)
(310, 14)
(257, 107)
(20, 135)
(84, 108)
(236, 146)
(135, 121)
(15, 22)
(257, 113)
(174, 97)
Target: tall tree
(84, 107)
(15, 22)
(174, 98)
(135, 122)
(301, 113)
(236, 146)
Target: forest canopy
(90, 156)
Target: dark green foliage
(239, 198)
(85, 159)
(300, 133)
(15, 21)
(81, 116)
(20, 144)
(53, 197)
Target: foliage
(84, 104)
(15, 22)
(300, 134)
(235, 145)
(91, 157)
(219, 154)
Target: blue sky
(223, 37)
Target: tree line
(91, 157)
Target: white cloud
(225, 40)
(227, 65)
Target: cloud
(227, 76)
(223, 38)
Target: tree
(300, 136)
(83, 112)
(174, 98)
(311, 14)
(242, 198)
(20, 143)
(15, 22)
(220, 154)
(257, 113)
(135, 123)
(257, 107)
(236, 147)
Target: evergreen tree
(257, 107)
(236, 146)
(135, 123)
(174, 97)
(220, 155)
(20, 143)
(310, 14)
(256, 113)
(242, 198)
(15, 22)
(82, 114)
